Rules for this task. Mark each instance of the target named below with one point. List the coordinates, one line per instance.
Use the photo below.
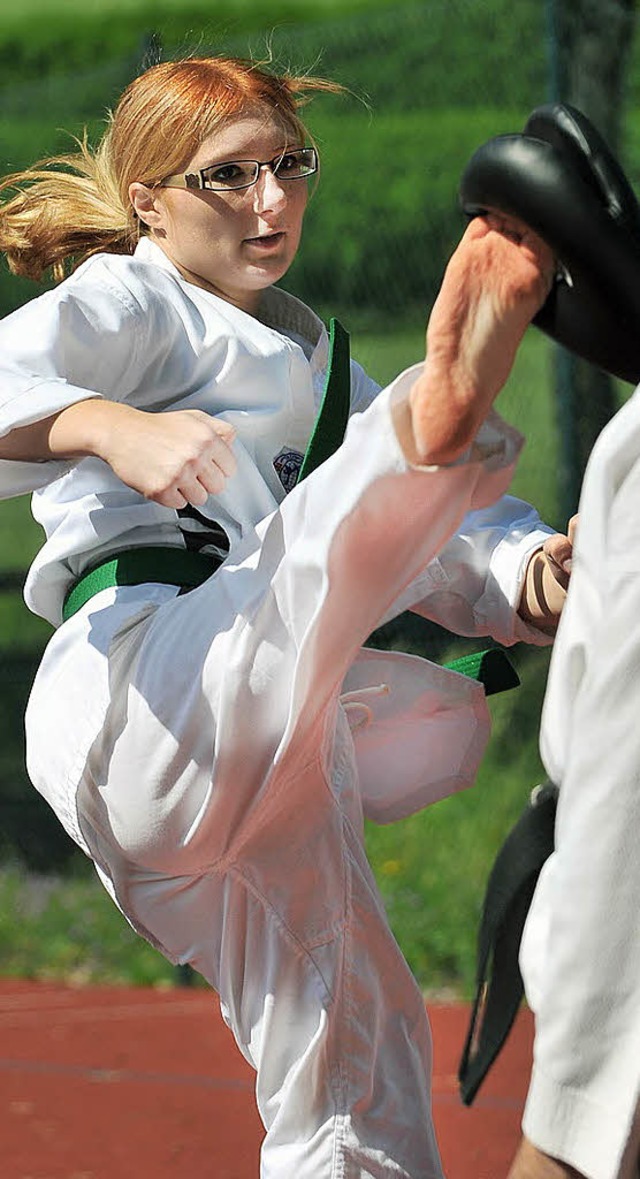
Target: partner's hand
(531, 1163)
(496, 281)
(546, 581)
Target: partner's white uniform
(199, 748)
(581, 951)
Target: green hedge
(385, 216)
(38, 38)
(435, 52)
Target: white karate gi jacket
(199, 747)
(581, 950)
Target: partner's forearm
(531, 1163)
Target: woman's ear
(146, 205)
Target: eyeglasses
(288, 165)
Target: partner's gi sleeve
(581, 950)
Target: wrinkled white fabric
(581, 951)
(199, 747)
(221, 800)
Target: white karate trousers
(196, 747)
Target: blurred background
(427, 84)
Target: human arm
(84, 371)
(546, 581)
(531, 1163)
(172, 458)
(580, 954)
(475, 584)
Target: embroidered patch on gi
(287, 465)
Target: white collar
(278, 309)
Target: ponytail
(66, 208)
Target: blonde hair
(71, 206)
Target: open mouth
(267, 241)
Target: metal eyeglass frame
(199, 180)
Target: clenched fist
(176, 458)
(173, 458)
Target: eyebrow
(237, 159)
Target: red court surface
(128, 1083)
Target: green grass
(69, 930)
(20, 539)
(432, 868)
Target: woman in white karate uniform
(198, 745)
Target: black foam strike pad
(559, 177)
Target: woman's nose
(269, 190)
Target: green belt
(167, 565)
(152, 563)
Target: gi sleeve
(364, 390)
(82, 340)
(473, 586)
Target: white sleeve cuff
(569, 1125)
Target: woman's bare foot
(496, 281)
